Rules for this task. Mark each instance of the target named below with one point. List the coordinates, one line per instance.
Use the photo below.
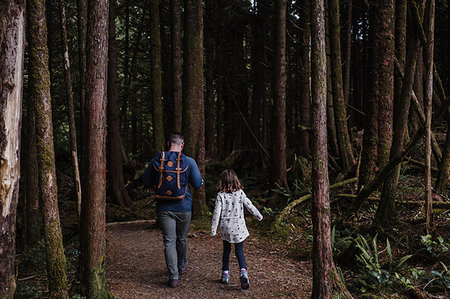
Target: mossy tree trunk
(193, 100)
(381, 34)
(93, 220)
(177, 65)
(40, 91)
(340, 113)
(386, 213)
(12, 44)
(379, 97)
(114, 140)
(305, 71)
(428, 88)
(326, 281)
(156, 83)
(278, 152)
(70, 109)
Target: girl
(229, 210)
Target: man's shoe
(245, 283)
(172, 283)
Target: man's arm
(195, 177)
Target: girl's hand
(260, 218)
(213, 234)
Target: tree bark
(70, 110)
(340, 113)
(347, 50)
(193, 101)
(12, 37)
(428, 88)
(177, 65)
(382, 19)
(278, 151)
(40, 78)
(386, 213)
(331, 123)
(93, 226)
(304, 80)
(156, 83)
(326, 281)
(209, 78)
(114, 140)
(33, 213)
(82, 34)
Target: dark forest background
(237, 79)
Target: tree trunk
(12, 37)
(82, 34)
(378, 131)
(156, 83)
(126, 77)
(305, 71)
(114, 141)
(93, 226)
(70, 111)
(193, 102)
(326, 281)
(177, 65)
(40, 78)
(386, 213)
(400, 47)
(444, 168)
(382, 19)
(340, 113)
(278, 152)
(428, 88)
(331, 123)
(33, 214)
(348, 50)
(209, 78)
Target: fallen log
(298, 201)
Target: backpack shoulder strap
(178, 169)
(161, 168)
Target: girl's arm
(250, 207)
(216, 215)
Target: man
(170, 174)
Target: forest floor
(136, 267)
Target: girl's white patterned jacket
(229, 210)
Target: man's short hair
(176, 139)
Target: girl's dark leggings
(238, 249)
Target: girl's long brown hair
(229, 181)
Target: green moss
(97, 283)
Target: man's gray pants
(175, 227)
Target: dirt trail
(136, 268)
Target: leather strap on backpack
(161, 168)
(178, 169)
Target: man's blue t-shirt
(151, 177)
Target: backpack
(173, 181)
